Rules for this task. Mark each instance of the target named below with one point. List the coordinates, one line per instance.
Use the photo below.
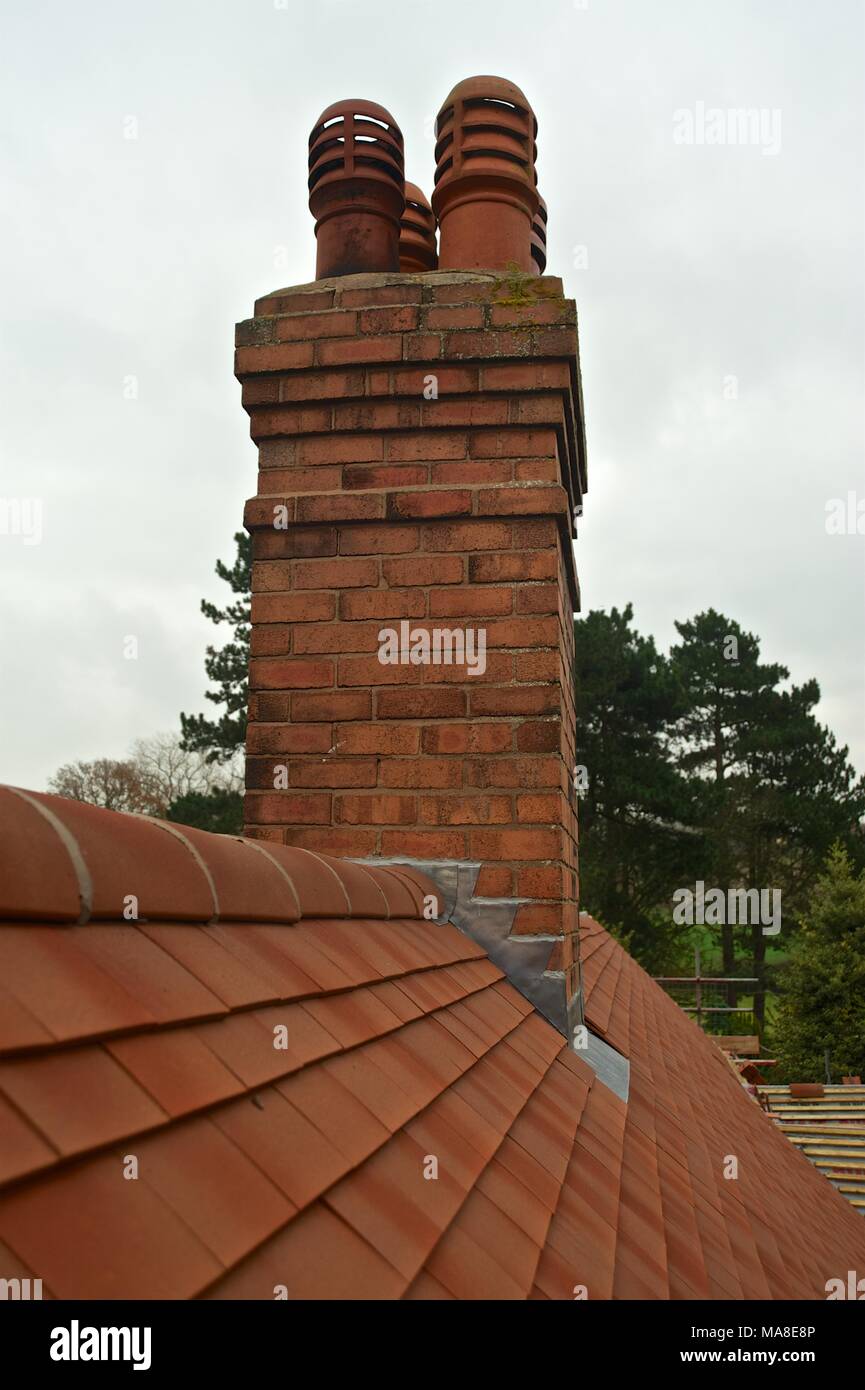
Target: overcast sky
(152, 181)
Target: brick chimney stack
(422, 456)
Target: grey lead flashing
(522, 959)
(609, 1066)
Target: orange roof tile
(284, 1045)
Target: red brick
(289, 480)
(542, 919)
(465, 810)
(515, 844)
(378, 540)
(468, 738)
(376, 810)
(454, 316)
(288, 738)
(538, 598)
(467, 535)
(272, 357)
(523, 632)
(354, 843)
(420, 772)
(547, 311)
(344, 350)
(466, 602)
(397, 739)
(287, 808)
(528, 699)
(427, 445)
(341, 507)
(429, 503)
(321, 386)
(332, 772)
(332, 704)
(270, 639)
(523, 501)
(541, 881)
(354, 448)
(555, 342)
(422, 347)
(536, 533)
(383, 603)
(516, 567)
(464, 412)
(471, 471)
(338, 573)
(538, 666)
(513, 443)
(487, 344)
(331, 323)
(294, 302)
(368, 670)
(376, 415)
(494, 882)
(277, 453)
(424, 703)
(292, 542)
(513, 772)
(289, 419)
(414, 381)
(337, 637)
(289, 674)
(389, 320)
(544, 470)
(385, 475)
(423, 570)
(419, 844)
(539, 736)
(539, 808)
(498, 670)
(380, 294)
(293, 608)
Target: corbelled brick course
(422, 454)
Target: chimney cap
(336, 135)
(356, 188)
(487, 89)
(417, 242)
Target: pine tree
(227, 667)
(636, 841)
(823, 984)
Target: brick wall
(421, 455)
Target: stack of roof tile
(279, 1044)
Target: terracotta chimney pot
(417, 238)
(485, 196)
(539, 239)
(356, 188)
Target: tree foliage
(823, 983)
(227, 667)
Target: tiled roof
(152, 1036)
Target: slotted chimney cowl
(356, 188)
(539, 238)
(417, 238)
(485, 196)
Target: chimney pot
(417, 239)
(356, 188)
(485, 195)
(539, 238)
